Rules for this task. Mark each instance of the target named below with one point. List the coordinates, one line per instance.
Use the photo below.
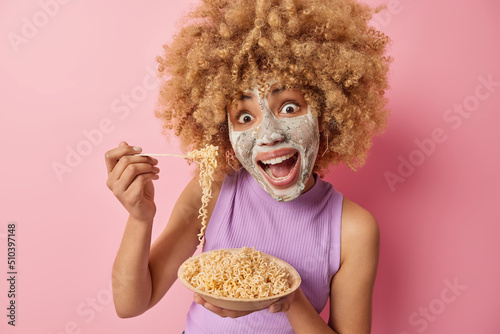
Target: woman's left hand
(282, 305)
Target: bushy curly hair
(324, 48)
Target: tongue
(282, 169)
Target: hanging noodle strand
(207, 160)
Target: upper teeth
(277, 160)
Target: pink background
(84, 72)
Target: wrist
(140, 220)
(297, 297)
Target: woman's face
(276, 138)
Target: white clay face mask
(279, 152)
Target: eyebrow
(276, 91)
(245, 97)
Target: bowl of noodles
(240, 279)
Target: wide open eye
(289, 108)
(244, 118)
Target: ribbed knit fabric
(304, 232)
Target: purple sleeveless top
(304, 232)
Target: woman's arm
(352, 287)
(142, 274)
(130, 179)
(131, 278)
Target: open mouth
(281, 171)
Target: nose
(273, 139)
(270, 131)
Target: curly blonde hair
(324, 48)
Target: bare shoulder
(354, 216)
(360, 231)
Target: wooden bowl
(243, 304)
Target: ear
(231, 159)
(324, 138)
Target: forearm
(131, 275)
(304, 318)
